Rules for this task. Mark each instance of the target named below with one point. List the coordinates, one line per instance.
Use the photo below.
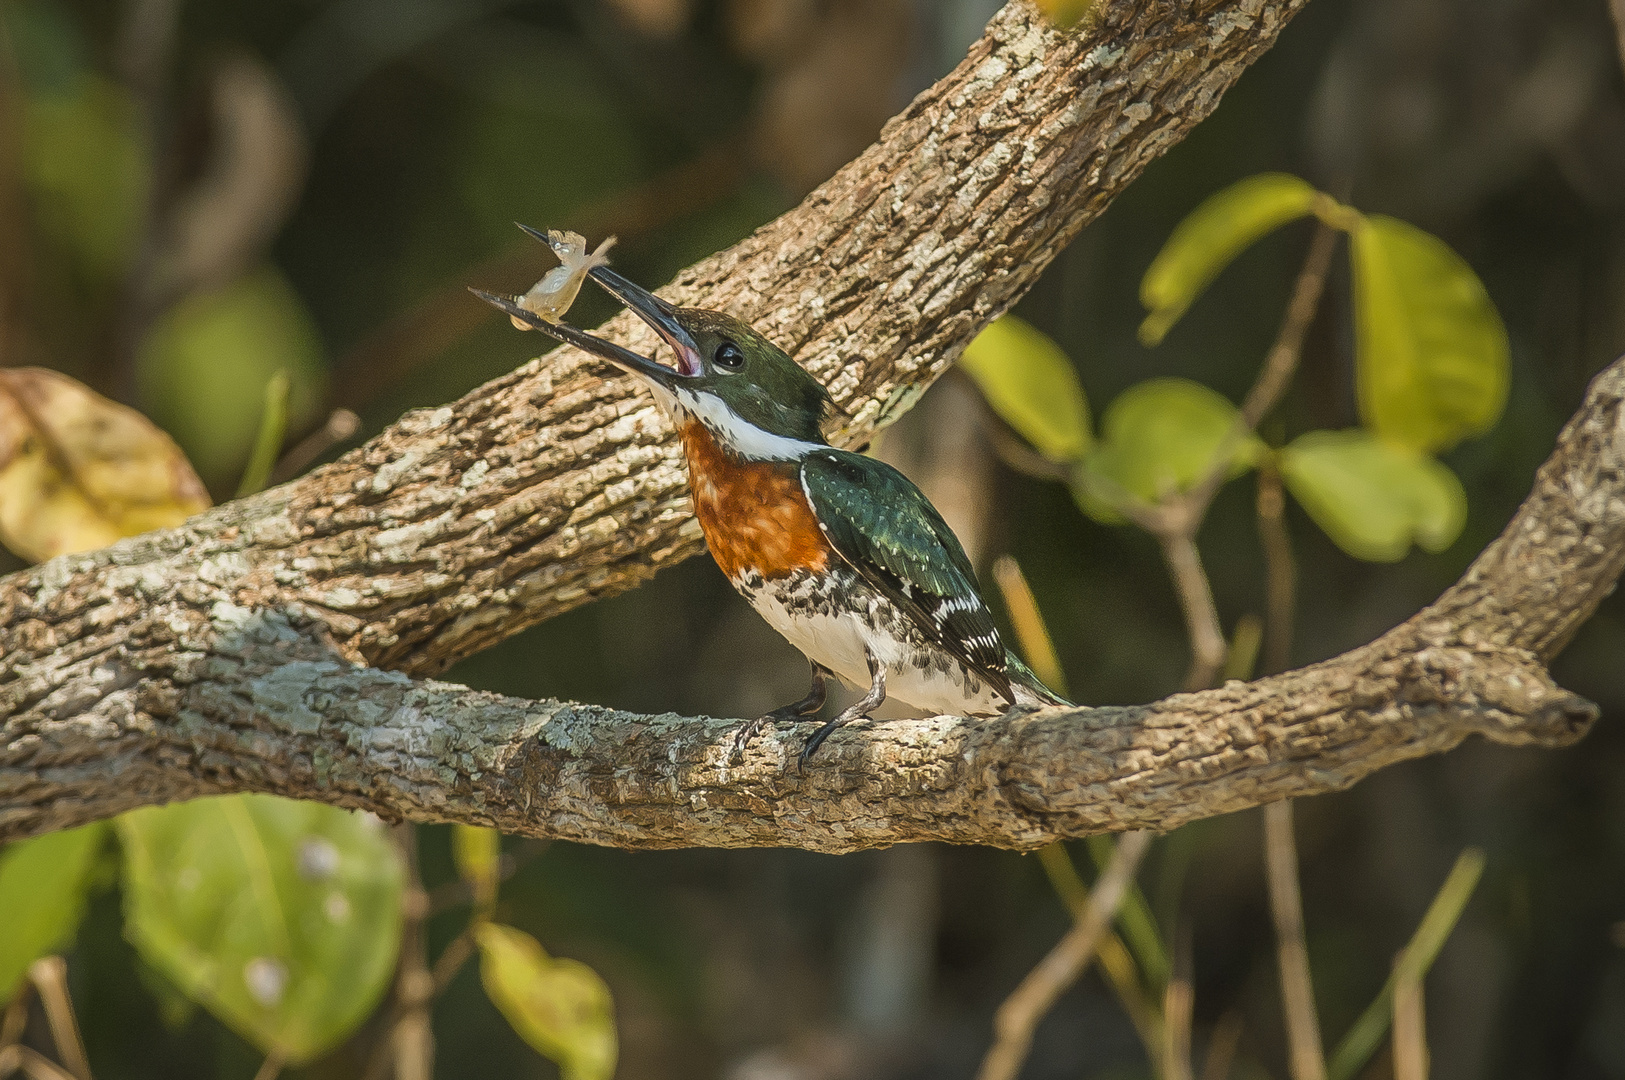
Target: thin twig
(1196, 601)
(1410, 1026)
(451, 960)
(341, 424)
(1279, 366)
(271, 1067)
(1111, 954)
(1306, 1058)
(1178, 1008)
(49, 974)
(1280, 569)
(34, 1065)
(1221, 1046)
(1014, 1023)
(1017, 456)
(407, 1041)
(1176, 522)
(15, 1019)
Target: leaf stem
(49, 974)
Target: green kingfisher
(840, 553)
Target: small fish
(552, 296)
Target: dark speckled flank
(841, 593)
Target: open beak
(648, 307)
(621, 357)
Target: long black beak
(649, 307)
(621, 357)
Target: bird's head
(745, 389)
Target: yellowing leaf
(1371, 497)
(1432, 358)
(560, 1007)
(78, 471)
(1031, 384)
(204, 368)
(1226, 224)
(282, 918)
(478, 854)
(42, 895)
(1158, 439)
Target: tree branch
(554, 485)
(231, 654)
(230, 698)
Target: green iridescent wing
(895, 539)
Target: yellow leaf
(78, 471)
(560, 1007)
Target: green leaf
(478, 854)
(1431, 352)
(1224, 226)
(282, 918)
(43, 884)
(560, 1007)
(204, 368)
(1157, 439)
(1032, 385)
(1371, 497)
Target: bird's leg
(807, 706)
(855, 711)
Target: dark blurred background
(194, 195)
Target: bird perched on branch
(839, 552)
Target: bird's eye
(730, 356)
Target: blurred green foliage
(432, 126)
(43, 887)
(282, 918)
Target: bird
(839, 552)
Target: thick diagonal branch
(221, 697)
(555, 485)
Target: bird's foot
(752, 728)
(817, 738)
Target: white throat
(737, 435)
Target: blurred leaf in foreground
(1157, 439)
(1222, 227)
(78, 471)
(87, 172)
(560, 1007)
(204, 368)
(1432, 358)
(282, 918)
(1032, 385)
(1371, 497)
(43, 883)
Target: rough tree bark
(242, 651)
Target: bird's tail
(1027, 687)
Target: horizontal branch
(250, 699)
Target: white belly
(924, 677)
